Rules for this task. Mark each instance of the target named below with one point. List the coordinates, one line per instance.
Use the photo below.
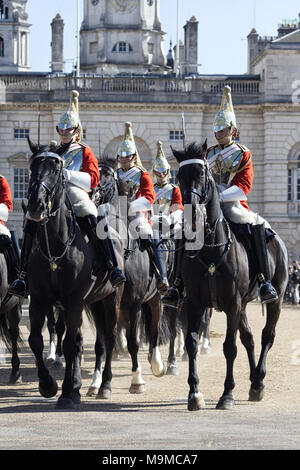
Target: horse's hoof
(256, 395)
(49, 361)
(172, 370)
(92, 392)
(65, 404)
(76, 398)
(104, 394)
(204, 351)
(157, 371)
(196, 402)
(15, 378)
(225, 403)
(48, 390)
(137, 388)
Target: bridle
(51, 193)
(202, 195)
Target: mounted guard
(82, 175)
(168, 208)
(232, 169)
(141, 195)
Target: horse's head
(46, 180)
(193, 177)
(108, 180)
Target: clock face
(124, 6)
(150, 3)
(95, 2)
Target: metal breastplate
(131, 180)
(163, 199)
(224, 163)
(73, 157)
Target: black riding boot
(19, 286)
(175, 293)
(267, 292)
(159, 264)
(107, 249)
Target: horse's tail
(146, 326)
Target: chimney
(57, 44)
(191, 47)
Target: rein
(53, 260)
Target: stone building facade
(266, 102)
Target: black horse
(217, 272)
(10, 317)
(59, 270)
(141, 302)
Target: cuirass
(131, 180)
(163, 198)
(224, 163)
(73, 158)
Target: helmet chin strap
(225, 139)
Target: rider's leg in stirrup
(19, 286)
(107, 248)
(267, 292)
(162, 281)
(175, 293)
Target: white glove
(232, 194)
(78, 178)
(139, 205)
(176, 216)
(3, 212)
(163, 219)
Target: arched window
(1, 47)
(293, 180)
(122, 46)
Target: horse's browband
(191, 161)
(49, 154)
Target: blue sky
(222, 30)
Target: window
(176, 135)
(122, 47)
(20, 183)
(293, 180)
(21, 133)
(1, 47)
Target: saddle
(12, 256)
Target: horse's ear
(176, 154)
(33, 147)
(204, 145)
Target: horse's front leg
(47, 385)
(138, 384)
(97, 375)
(14, 317)
(72, 348)
(256, 392)
(226, 401)
(194, 315)
(153, 308)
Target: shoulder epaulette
(243, 147)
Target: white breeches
(4, 231)
(81, 201)
(238, 214)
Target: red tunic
(146, 188)
(176, 202)
(90, 165)
(244, 178)
(5, 195)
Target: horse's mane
(193, 150)
(51, 147)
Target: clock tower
(121, 36)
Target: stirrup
(162, 286)
(116, 277)
(172, 298)
(18, 288)
(267, 293)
